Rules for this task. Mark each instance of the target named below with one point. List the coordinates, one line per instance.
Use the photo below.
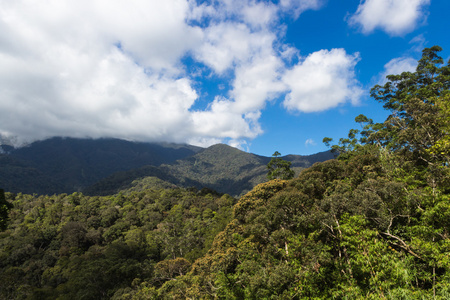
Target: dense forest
(372, 224)
(80, 247)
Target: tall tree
(279, 168)
(417, 127)
(415, 123)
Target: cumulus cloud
(112, 96)
(322, 80)
(396, 17)
(227, 45)
(257, 82)
(103, 68)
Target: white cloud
(310, 142)
(111, 96)
(253, 13)
(259, 15)
(323, 80)
(221, 123)
(61, 72)
(418, 43)
(103, 68)
(397, 66)
(296, 7)
(396, 17)
(228, 44)
(256, 83)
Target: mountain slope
(106, 166)
(67, 165)
(17, 175)
(219, 167)
(229, 170)
(222, 168)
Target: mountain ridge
(105, 166)
(219, 167)
(77, 163)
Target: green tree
(442, 146)
(279, 168)
(417, 128)
(416, 121)
(5, 206)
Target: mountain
(220, 167)
(107, 166)
(67, 165)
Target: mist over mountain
(105, 166)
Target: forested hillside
(106, 166)
(372, 224)
(220, 167)
(69, 165)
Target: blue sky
(263, 76)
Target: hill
(66, 165)
(220, 167)
(106, 166)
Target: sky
(262, 76)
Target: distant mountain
(106, 166)
(220, 167)
(67, 165)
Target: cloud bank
(131, 70)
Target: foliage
(418, 103)
(441, 147)
(279, 168)
(343, 228)
(415, 124)
(5, 206)
(80, 247)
